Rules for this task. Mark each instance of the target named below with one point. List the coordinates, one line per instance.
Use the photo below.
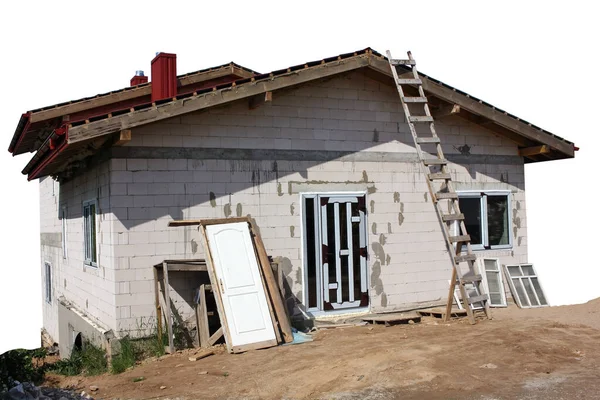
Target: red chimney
(138, 78)
(164, 76)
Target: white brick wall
(348, 113)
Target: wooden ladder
(443, 194)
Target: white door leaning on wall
(239, 280)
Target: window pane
(471, 208)
(93, 232)
(528, 270)
(520, 292)
(529, 290)
(497, 214)
(311, 256)
(514, 270)
(86, 232)
(538, 290)
(490, 265)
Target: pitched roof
(85, 135)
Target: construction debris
(201, 355)
(389, 319)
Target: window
(492, 280)
(63, 220)
(89, 230)
(487, 218)
(48, 271)
(525, 286)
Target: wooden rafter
(534, 151)
(210, 99)
(133, 93)
(446, 111)
(259, 100)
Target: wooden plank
(460, 238)
(203, 331)
(477, 299)
(417, 99)
(255, 346)
(202, 354)
(168, 322)
(420, 118)
(453, 217)
(187, 267)
(446, 195)
(260, 99)
(465, 257)
(392, 318)
(408, 81)
(439, 175)
(471, 278)
(124, 137)
(450, 300)
(167, 308)
(434, 161)
(534, 151)
(157, 305)
(395, 61)
(272, 289)
(206, 222)
(201, 101)
(215, 336)
(423, 140)
(218, 299)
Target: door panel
(240, 283)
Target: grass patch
(125, 359)
(133, 350)
(89, 360)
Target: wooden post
(202, 315)
(157, 305)
(168, 306)
(450, 296)
(272, 289)
(215, 285)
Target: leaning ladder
(445, 193)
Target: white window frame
(482, 195)
(88, 237)
(522, 277)
(63, 220)
(48, 280)
(486, 286)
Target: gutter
(22, 127)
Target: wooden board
(440, 312)
(391, 318)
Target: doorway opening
(335, 251)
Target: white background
(537, 60)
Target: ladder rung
(395, 61)
(477, 299)
(446, 195)
(453, 217)
(409, 81)
(415, 99)
(465, 257)
(420, 118)
(434, 161)
(422, 140)
(439, 175)
(461, 238)
(471, 279)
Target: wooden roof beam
(205, 100)
(446, 111)
(534, 151)
(259, 100)
(474, 106)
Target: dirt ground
(551, 353)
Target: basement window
(48, 273)
(487, 218)
(89, 230)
